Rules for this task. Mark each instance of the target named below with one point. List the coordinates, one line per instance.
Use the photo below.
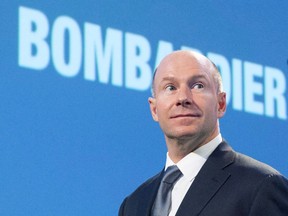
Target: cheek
(162, 109)
(212, 110)
(209, 105)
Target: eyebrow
(195, 77)
(168, 79)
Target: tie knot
(172, 174)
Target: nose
(184, 97)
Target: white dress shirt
(190, 165)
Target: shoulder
(141, 199)
(147, 185)
(244, 170)
(241, 163)
(253, 182)
(247, 173)
(268, 187)
(252, 166)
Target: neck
(178, 148)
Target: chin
(181, 134)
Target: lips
(186, 115)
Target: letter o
(61, 26)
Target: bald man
(212, 179)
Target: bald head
(182, 57)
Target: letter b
(138, 71)
(33, 30)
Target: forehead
(184, 65)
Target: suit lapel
(209, 180)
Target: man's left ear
(221, 104)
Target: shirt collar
(191, 164)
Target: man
(210, 178)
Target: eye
(170, 88)
(198, 86)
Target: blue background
(73, 147)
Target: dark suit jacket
(229, 184)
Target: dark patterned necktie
(162, 202)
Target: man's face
(186, 101)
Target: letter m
(105, 59)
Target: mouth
(189, 115)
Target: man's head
(187, 97)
